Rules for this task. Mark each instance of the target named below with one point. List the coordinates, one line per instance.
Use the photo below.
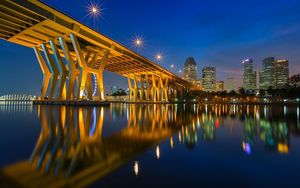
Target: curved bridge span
(70, 54)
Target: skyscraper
(266, 75)
(249, 75)
(209, 78)
(190, 69)
(275, 73)
(220, 86)
(281, 74)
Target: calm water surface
(149, 146)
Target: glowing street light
(158, 57)
(172, 66)
(94, 11)
(138, 42)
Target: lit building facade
(219, 86)
(209, 78)
(275, 74)
(281, 74)
(249, 75)
(266, 74)
(190, 69)
(294, 80)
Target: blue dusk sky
(218, 33)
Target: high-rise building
(190, 69)
(220, 86)
(281, 74)
(230, 84)
(209, 78)
(294, 80)
(275, 73)
(266, 75)
(249, 75)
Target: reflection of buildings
(72, 150)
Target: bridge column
(148, 88)
(46, 72)
(73, 71)
(164, 89)
(99, 76)
(62, 70)
(142, 90)
(88, 79)
(82, 64)
(132, 90)
(53, 69)
(155, 90)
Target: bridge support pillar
(164, 89)
(53, 69)
(73, 70)
(45, 70)
(132, 89)
(62, 70)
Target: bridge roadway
(72, 56)
(71, 151)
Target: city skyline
(257, 45)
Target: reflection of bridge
(72, 53)
(71, 150)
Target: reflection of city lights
(136, 168)
(247, 148)
(179, 137)
(283, 148)
(171, 143)
(298, 113)
(157, 152)
(284, 110)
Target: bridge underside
(73, 57)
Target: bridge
(72, 56)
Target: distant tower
(249, 75)
(266, 74)
(209, 78)
(280, 74)
(190, 69)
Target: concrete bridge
(72, 56)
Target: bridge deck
(32, 23)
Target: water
(149, 146)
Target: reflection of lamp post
(157, 152)
(136, 168)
